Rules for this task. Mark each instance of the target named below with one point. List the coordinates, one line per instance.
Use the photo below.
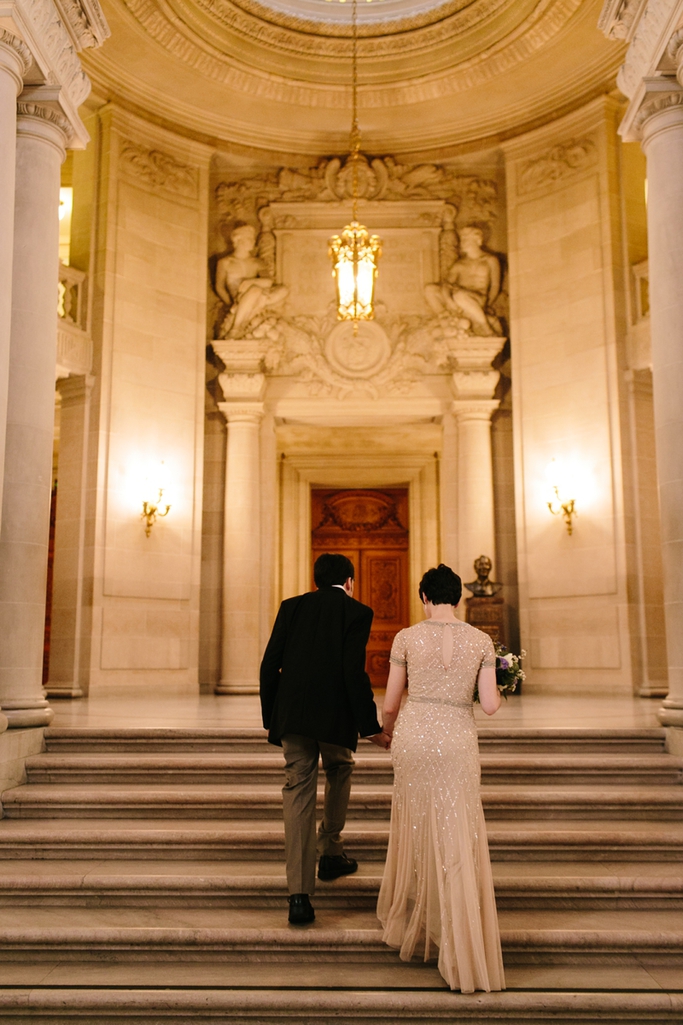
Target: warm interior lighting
(354, 259)
(563, 500)
(355, 253)
(154, 504)
(66, 200)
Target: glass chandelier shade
(354, 256)
(355, 253)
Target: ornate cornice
(619, 18)
(158, 170)
(643, 53)
(59, 49)
(204, 54)
(559, 162)
(21, 49)
(39, 110)
(84, 21)
(318, 39)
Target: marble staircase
(141, 879)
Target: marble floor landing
(130, 705)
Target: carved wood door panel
(370, 527)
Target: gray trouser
(298, 800)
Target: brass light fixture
(355, 253)
(154, 506)
(561, 505)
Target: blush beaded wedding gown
(437, 897)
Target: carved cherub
(243, 285)
(471, 286)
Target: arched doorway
(369, 526)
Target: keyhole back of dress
(447, 646)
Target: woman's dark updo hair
(441, 586)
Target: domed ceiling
(273, 75)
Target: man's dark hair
(332, 569)
(441, 586)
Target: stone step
(174, 740)
(207, 768)
(253, 884)
(196, 839)
(346, 935)
(208, 1004)
(52, 800)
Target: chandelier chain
(354, 144)
(355, 252)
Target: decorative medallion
(359, 355)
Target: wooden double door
(370, 527)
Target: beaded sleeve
(488, 660)
(398, 650)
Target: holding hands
(382, 740)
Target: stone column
(476, 521)
(661, 123)
(41, 138)
(15, 60)
(473, 408)
(68, 573)
(448, 486)
(241, 647)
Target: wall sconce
(154, 505)
(562, 487)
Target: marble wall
(569, 341)
(147, 265)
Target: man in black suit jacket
(316, 699)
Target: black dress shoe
(334, 865)
(300, 909)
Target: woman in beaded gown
(437, 897)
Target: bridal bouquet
(509, 672)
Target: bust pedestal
(487, 614)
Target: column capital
(242, 387)
(474, 409)
(475, 384)
(38, 121)
(15, 57)
(242, 412)
(657, 107)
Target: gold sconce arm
(152, 510)
(564, 509)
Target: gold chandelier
(355, 253)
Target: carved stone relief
(559, 162)
(466, 307)
(158, 170)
